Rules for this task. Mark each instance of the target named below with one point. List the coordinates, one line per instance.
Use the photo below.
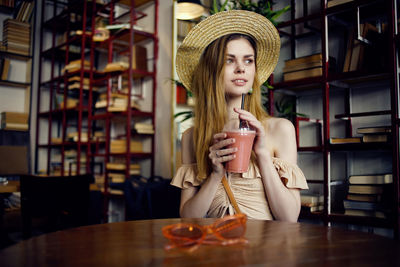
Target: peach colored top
(247, 188)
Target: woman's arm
(285, 203)
(195, 201)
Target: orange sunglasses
(225, 231)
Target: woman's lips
(239, 82)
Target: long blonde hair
(210, 108)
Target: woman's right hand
(219, 153)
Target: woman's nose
(239, 68)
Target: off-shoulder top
(247, 188)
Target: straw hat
(224, 23)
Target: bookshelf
(97, 90)
(341, 100)
(15, 60)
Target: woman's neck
(233, 102)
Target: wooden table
(10, 187)
(271, 243)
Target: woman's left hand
(260, 144)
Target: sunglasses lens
(231, 228)
(185, 235)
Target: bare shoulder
(281, 137)
(188, 152)
(279, 127)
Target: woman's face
(240, 67)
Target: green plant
(286, 108)
(262, 7)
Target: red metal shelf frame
(323, 83)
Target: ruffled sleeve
(186, 176)
(291, 175)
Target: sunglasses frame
(214, 229)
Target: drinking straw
(243, 124)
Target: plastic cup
(244, 139)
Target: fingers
(222, 155)
(219, 151)
(253, 122)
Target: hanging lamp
(189, 9)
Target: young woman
(229, 54)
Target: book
(370, 138)
(366, 213)
(6, 69)
(302, 66)
(312, 208)
(359, 205)
(14, 117)
(333, 3)
(116, 177)
(120, 146)
(357, 51)
(301, 74)
(371, 179)
(361, 197)
(144, 128)
(365, 189)
(373, 130)
(309, 200)
(14, 126)
(346, 140)
(302, 60)
(118, 166)
(349, 49)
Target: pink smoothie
(244, 142)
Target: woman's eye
(248, 61)
(228, 61)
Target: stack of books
(375, 134)
(75, 65)
(73, 136)
(75, 83)
(305, 67)
(312, 202)
(144, 128)
(120, 146)
(16, 121)
(16, 36)
(117, 102)
(116, 177)
(134, 169)
(59, 102)
(366, 194)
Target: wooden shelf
(134, 113)
(363, 114)
(360, 146)
(14, 55)
(14, 84)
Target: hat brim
(223, 23)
